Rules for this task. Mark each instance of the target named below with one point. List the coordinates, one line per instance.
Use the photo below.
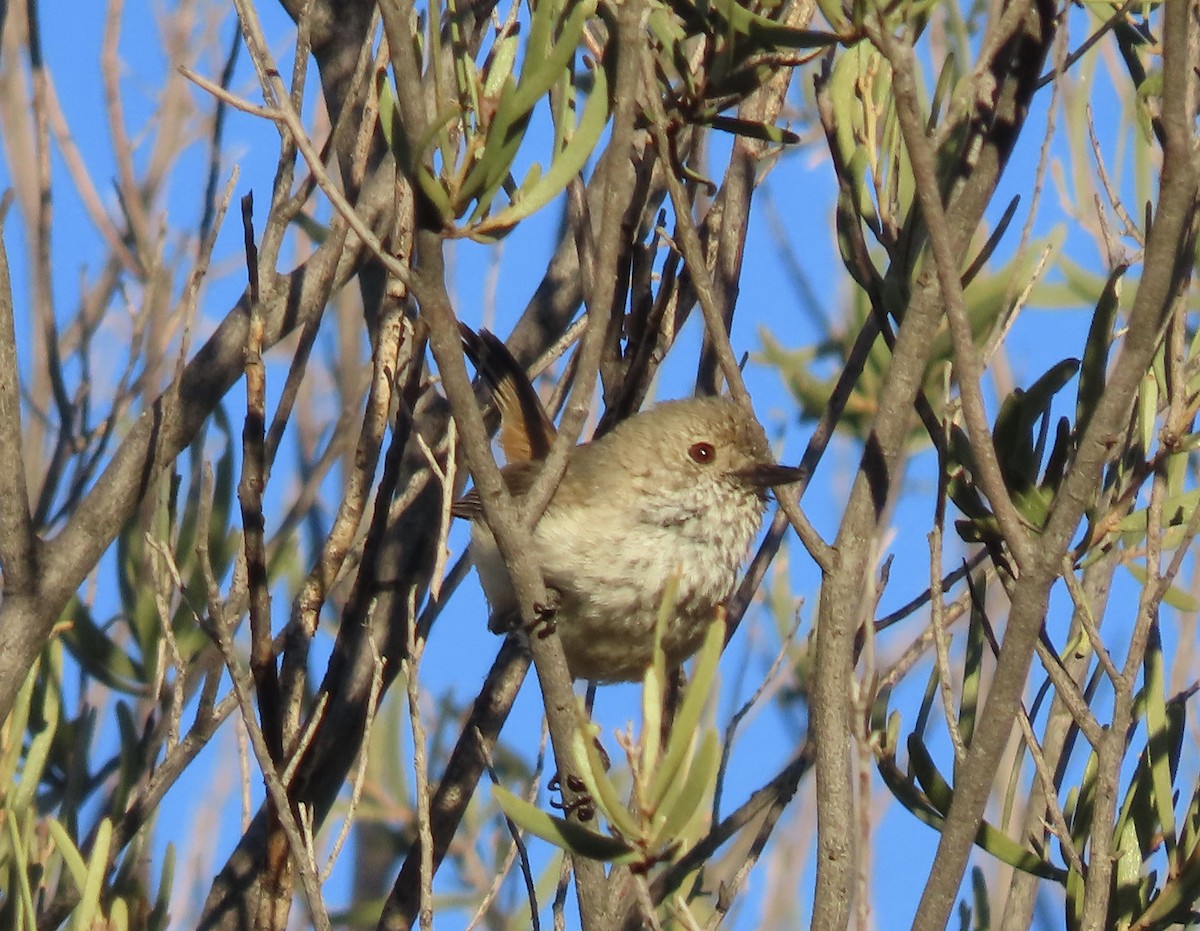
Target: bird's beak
(769, 475)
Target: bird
(674, 492)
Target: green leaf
(1093, 371)
(160, 916)
(1140, 806)
(1177, 511)
(979, 898)
(389, 119)
(19, 840)
(118, 916)
(947, 78)
(833, 13)
(764, 32)
(565, 166)
(689, 798)
(1176, 901)
(542, 67)
(499, 65)
(18, 720)
(1159, 749)
(100, 656)
(412, 157)
(1060, 455)
(926, 707)
(1014, 438)
(687, 721)
(753, 129)
(72, 858)
(1076, 887)
(564, 834)
(48, 702)
(972, 670)
(994, 842)
(1126, 900)
(1083, 808)
(600, 787)
(1175, 597)
(87, 912)
(1147, 410)
(654, 683)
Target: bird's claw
(582, 806)
(544, 613)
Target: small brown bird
(678, 490)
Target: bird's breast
(610, 563)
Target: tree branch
(981, 158)
(18, 543)
(160, 433)
(1169, 252)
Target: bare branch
(18, 544)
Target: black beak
(769, 475)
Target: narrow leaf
(564, 834)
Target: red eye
(702, 453)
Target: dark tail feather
(526, 432)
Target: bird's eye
(702, 453)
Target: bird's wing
(518, 476)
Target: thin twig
(411, 666)
(77, 168)
(941, 644)
(689, 240)
(519, 850)
(226, 96)
(250, 494)
(771, 682)
(966, 357)
(1087, 620)
(457, 787)
(774, 794)
(360, 771)
(1130, 226)
(164, 568)
(217, 136)
(394, 334)
(302, 855)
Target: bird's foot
(544, 613)
(581, 805)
